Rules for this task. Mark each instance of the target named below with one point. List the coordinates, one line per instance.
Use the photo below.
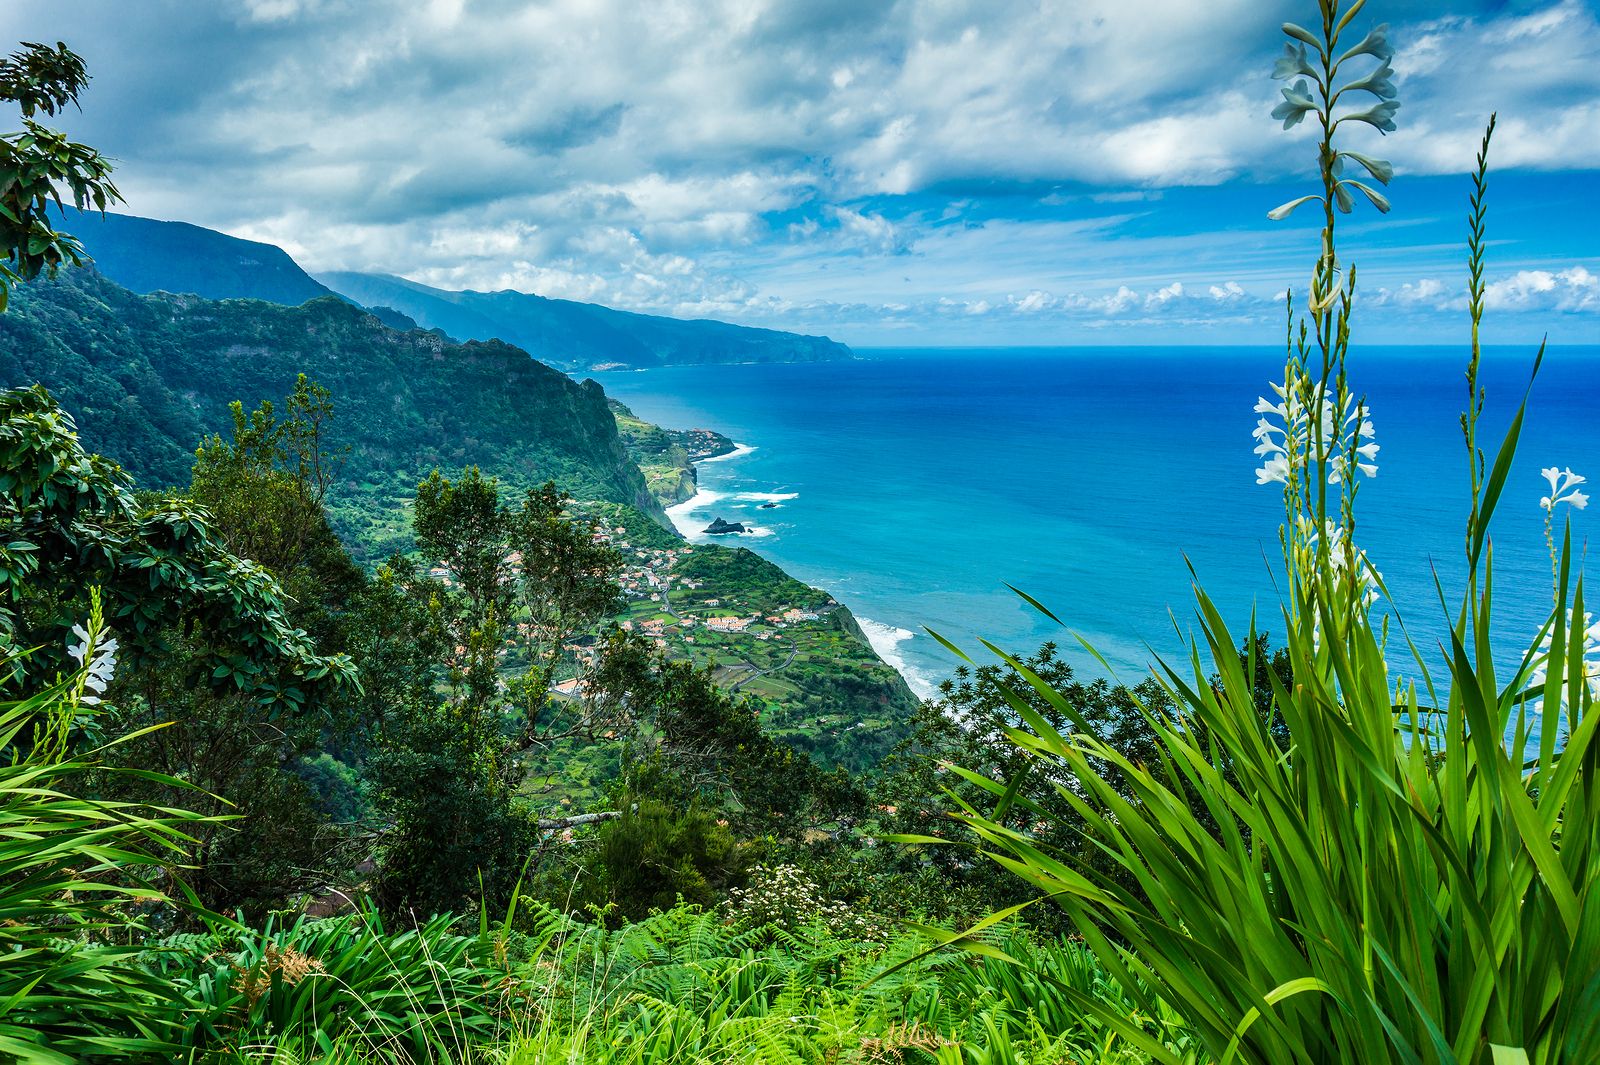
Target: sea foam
(886, 640)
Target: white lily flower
(79, 649)
(1563, 489)
(1340, 433)
(1275, 470)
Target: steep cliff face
(146, 376)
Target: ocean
(915, 484)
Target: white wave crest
(679, 513)
(739, 451)
(767, 497)
(886, 641)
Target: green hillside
(147, 376)
(147, 255)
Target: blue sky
(938, 172)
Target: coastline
(884, 639)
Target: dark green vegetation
(145, 255)
(147, 376)
(581, 336)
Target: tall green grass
(77, 877)
(1414, 881)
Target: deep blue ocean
(915, 484)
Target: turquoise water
(914, 484)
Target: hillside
(147, 376)
(581, 335)
(145, 255)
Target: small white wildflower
(1563, 489)
(98, 670)
(81, 648)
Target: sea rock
(722, 528)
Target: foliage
(1417, 879)
(653, 856)
(746, 579)
(38, 164)
(263, 489)
(699, 742)
(69, 522)
(684, 986)
(426, 993)
(76, 873)
(448, 770)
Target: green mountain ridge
(147, 376)
(582, 335)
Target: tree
(262, 491)
(69, 521)
(461, 669)
(529, 579)
(697, 743)
(38, 164)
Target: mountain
(145, 255)
(579, 336)
(147, 376)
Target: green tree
(69, 521)
(262, 490)
(460, 670)
(38, 165)
(695, 742)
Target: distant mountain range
(581, 335)
(145, 255)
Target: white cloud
(718, 154)
(1573, 290)
(1570, 290)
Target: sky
(912, 173)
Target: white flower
(1340, 434)
(99, 670)
(1591, 656)
(79, 649)
(1563, 489)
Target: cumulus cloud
(1570, 290)
(1573, 290)
(717, 156)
